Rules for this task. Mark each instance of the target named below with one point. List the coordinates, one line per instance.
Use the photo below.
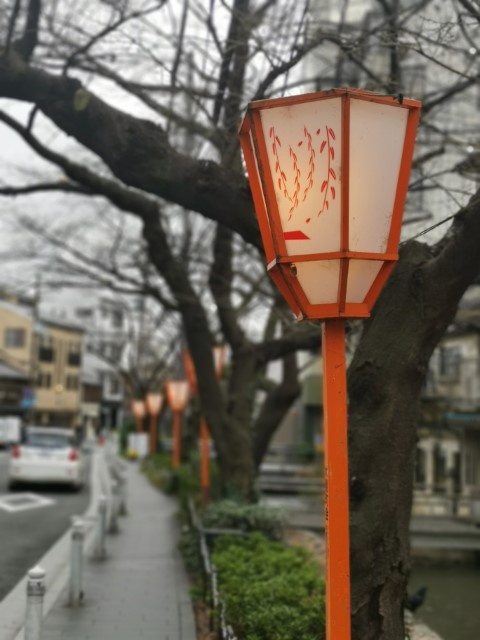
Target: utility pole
(34, 346)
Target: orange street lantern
(153, 403)
(329, 174)
(177, 393)
(219, 354)
(138, 410)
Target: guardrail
(63, 564)
(218, 619)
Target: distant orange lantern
(153, 403)
(138, 410)
(219, 354)
(329, 174)
(177, 393)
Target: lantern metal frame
(280, 265)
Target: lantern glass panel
(304, 154)
(376, 144)
(361, 276)
(319, 280)
(177, 392)
(153, 402)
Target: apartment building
(448, 452)
(57, 366)
(104, 320)
(47, 352)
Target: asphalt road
(32, 524)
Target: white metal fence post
(113, 528)
(122, 479)
(75, 590)
(100, 551)
(35, 594)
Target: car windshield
(48, 440)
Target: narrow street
(31, 521)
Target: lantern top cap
(361, 94)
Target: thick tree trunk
(385, 381)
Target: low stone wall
(416, 630)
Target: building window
(472, 461)
(45, 354)
(84, 313)
(112, 351)
(72, 383)
(74, 356)
(15, 338)
(117, 319)
(45, 349)
(114, 386)
(449, 363)
(44, 380)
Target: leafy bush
(271, 592)
(183, 482)
(230, 514)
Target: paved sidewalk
(140, 591)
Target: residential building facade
(104, 320)
(448, 456)
(47, 353)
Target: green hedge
(271, 592)
(231, 514)
(184, 482)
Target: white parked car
(47, 454)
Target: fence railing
(218, 619)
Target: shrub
(183, 482)
(271, 592)
(230, 514)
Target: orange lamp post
(138, 410)
(177, 393)
(153, 403)
(329, 174)
(219, 363)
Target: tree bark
(385, 381)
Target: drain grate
(23, 501)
